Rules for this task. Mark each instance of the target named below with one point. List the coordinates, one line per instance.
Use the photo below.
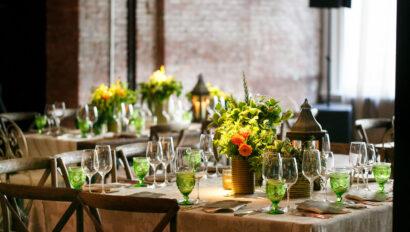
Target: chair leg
(80, 218)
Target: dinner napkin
(225, 206)
(369, 196)
(322, 207)
(147, 194)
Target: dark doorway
(23, 54)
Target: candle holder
(200, 101)
(227, 179)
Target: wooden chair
(13, 143)
(74, 158)
(128, 151)
(131, 204)
(25, 120)
(9, 193)
(169, 129)
(362, 125)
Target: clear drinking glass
(205, 144)
(198, 160)
(289, 175)
(104, 162)
(275, 185)
(168, 154)
(93, 116)
(311, 166)
(89, 163)
(49, 112)
(368, 163)
(357, 154)
(127, 112)
(328, 164)
(59, 111)
(185, 174)
(154, 157)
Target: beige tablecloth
(45, 215)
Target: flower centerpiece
(108, 100)
(158, 90)
(244, 131)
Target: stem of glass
(155, 175)
(357, 179)
(325, 188)
(102, 183)
(89, 183)
(287, 201)
(197, 188)
(165, 173)
(311, 188)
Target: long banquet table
(44, 215)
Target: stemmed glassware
(40, 121)
(275, 185)
(289, 175)
(127, 112)
(339, 182)
(89, 163)
(167, 145)
(381, 174)
(141, 168)
(154, 157)
(185, 174)
(205, 144)
(93, 117)
(368, 163)
(311, 166)
(59, 111)
(357, 154)
(83, 120)
(49, 112)
(104, 162)
(198, 160)
(328, 164)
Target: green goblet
(381, 172)
(141, 168)
(76, 175)
(186, 183)
(339, 182)
(275, 190)
(84, 126)
(40, 121)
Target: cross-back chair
(13, 143)
(169, 129)
(362, 125)
(128, 151)
(11, 213)
(131, 204)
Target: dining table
(44, 215)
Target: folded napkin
(225, 206)
(322, 207)
(369, 196)
(147, 194)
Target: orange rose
(245, 150)
(105, 95)
(237, 139)
(120, 92)
(244, 133)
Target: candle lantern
(306, 129)
(200, 100)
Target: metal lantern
(200, 100)
(306, 129)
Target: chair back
(131, 204)
(127, 151)
(13, 143)
(362, 125)
(340, 148)
(157, 130)
(10, 210)
(25, 120)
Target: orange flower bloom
(105, 95)
(120, 92)
(244, 133)
(237, 139)
(245, 150)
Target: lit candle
(196, 109)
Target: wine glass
(205, 144)
(185, 174)
(141, 168)
(368, 162)
(326, 144)
(83, 120)
(311, 167)
(104, 162)
(381, 174)
(127, 112)
(93, 117)
(154, 157)
(167, 145)
(40, 121)
(328, 164)
(357, 154)
(49, 112)
(198, 159)
(59, 111)
(275, 185)
(89, 163)
(339, 182)
(289, 175)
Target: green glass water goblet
(40, 121)
(139, 123)
(84, 126)
(339, 182)
(141, 168)
(76, 175)
(381, 172)
(275, 190)
(186, 183)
